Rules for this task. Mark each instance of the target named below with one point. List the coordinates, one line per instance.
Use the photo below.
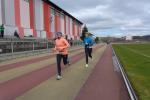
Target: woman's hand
(60, 49)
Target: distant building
(146, 37)
(128, 38)
(37, 18)
(143, 38)
(113, 39)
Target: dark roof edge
(60, 9)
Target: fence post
(47, 44)
(33, 46)
(12, 47)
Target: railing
(21, 46)
(10, 49)
(12, 46)
(130, 89)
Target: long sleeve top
(88, 42)
(61, 46)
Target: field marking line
(135, 51)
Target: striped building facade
(37, 18)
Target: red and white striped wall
(36, 18)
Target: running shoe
(59, 77)
(86, 65)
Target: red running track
(104, 83)
(13, 88)
(26, 62)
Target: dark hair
(58, 33)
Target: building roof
(61, 10)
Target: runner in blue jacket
(88, 43)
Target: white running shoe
(59, 77)
(86, 65)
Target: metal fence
(11, 49)
(21, 46)
(13, 46)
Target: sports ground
(135, 59)
(34, 77)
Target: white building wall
(25, 17)
(67, 32)
(9, 12)
(41, 34)
(0, 12)
(71, 26)
(39, 16)
(76, 29)
(25, 13)
(62, 23)
(52, 20)
(67, 27)
(28, 32)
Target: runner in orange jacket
(61, 48)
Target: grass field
(136, 61)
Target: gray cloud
(73, 5)
(128, 16)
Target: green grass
(136, 61)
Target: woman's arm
(67, 45)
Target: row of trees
(84, 31)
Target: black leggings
(58, 58)
(2, 34)
(88, 53)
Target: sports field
(136, 61)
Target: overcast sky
(111, 17)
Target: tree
(96, 39)
(84, 30)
